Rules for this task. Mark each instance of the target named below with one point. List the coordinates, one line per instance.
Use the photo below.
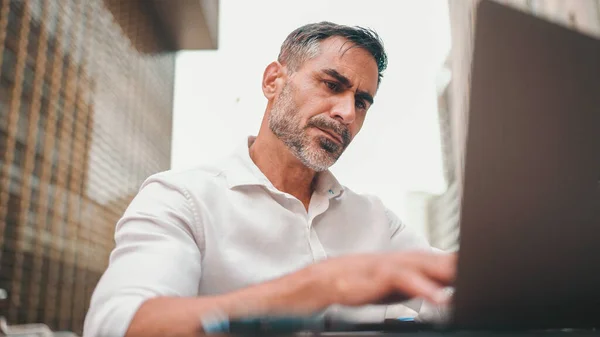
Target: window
(37, 167)
(35, 193)
(61, 203)
(23, 122)
(2, 145)
(41, 134)
(9, 60)
(50, 192)
(28, 75)
(16, 180)
(19, 154)
(14, 18)
(12, 218)
(49, 219)
(4, 106)
(50, 51)
(54, 171)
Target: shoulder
(372, 203)
(362, 200)
(172, 197)
(193, 178)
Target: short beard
(285, 123)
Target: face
(322, 105)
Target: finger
(412, 283)
(440, 267)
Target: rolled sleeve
(157, 253)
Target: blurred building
(443, 210)
(86, 97)
(582, 15)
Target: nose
(344, 109)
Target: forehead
(355, 63)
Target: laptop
(530, 214)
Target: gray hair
(304, 43)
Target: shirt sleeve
(404, 237)
(157, 253)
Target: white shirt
(212, 230)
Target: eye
(360, 104)
(333, 86)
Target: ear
(273, 78)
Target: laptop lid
(530, 218)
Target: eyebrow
(346, 83)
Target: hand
(387, 278)
(350, 280)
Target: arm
(156, 254)
(351, 280)
(150, 287)
(170, 316)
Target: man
(270, 230)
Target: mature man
(270, 230)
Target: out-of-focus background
(97, 95)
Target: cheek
(317, 107)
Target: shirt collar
(241, 171)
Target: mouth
(337, 138)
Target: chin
(324, 157)
(332, 148)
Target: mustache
(325, 123)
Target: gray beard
(285, 123)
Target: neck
(281, 167)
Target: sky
(219, 102)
